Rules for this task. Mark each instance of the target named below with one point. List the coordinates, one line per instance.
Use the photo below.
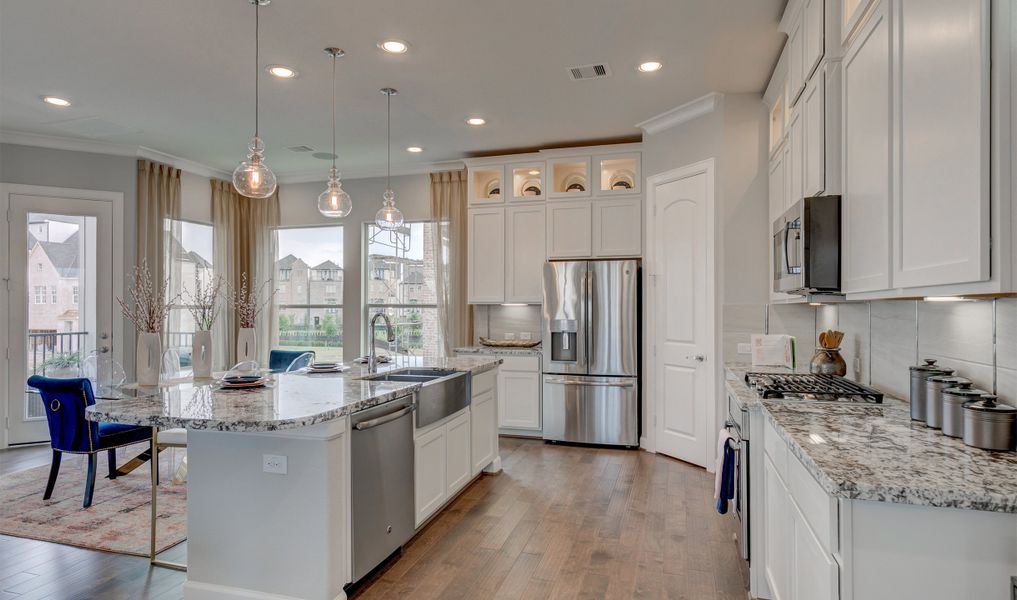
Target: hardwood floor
(559, 522)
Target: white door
(61, 267)
(683, 317)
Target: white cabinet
(519, 392)
(618, 227)
(813, 108)
(865, 209)
(429, 473)
(815, 574)
(795, 65)
(458, 460)
(795, 159)
(524, 253)
(484, 426)
(941, 203)
(569, 229)
(486, 247)
(813, 35)
(776, 521)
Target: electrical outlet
(525, 335)
(510, 336)
(744, 348)
(273, 463)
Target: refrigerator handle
(590, 320)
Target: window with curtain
(399, 280)
(309, 280)
(189, 258)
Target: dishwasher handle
(392, 416)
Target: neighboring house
(54, 271)
(188, 268)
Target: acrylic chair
(280, 361)
(65, 401)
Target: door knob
(697, 358)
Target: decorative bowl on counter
(509, 343)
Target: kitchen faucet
(372, 359)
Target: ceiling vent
(300, 149)
(595, 71)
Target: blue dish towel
(727, 478)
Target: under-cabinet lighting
(945, 299)
(513, 304)
(815, 304)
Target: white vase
(247, 345)
(201, 354)
(149, 359)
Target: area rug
(118, 520)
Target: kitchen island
(269, 481)
(856, 501)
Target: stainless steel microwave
(806, 247)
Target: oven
(737, 426)
(806, 247)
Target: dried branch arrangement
(149, 306)
(247, 302)
(203, 303)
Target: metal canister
(919, 373)
(989, 425)
(934, 387)
(954, 400)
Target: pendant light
(389, 217)
(334, 202)
(253, 178)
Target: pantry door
(62, 267)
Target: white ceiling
(177, 76)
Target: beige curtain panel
(448, 210)
(244, 242)
(158, 225)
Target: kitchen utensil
(828, 361)
(919, 373)
(934, 387)
(954, 400)
(989, 425)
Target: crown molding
(321, 175)
(681, 114)
(55, 142)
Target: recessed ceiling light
(55, 101)
(650, 66)
(415, 149)
(394, 46)
(476, 121)
(282, 72)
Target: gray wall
(31, 165)
(299, 206)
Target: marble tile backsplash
(495, 321)
(883, 338)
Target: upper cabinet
(524, 253)
(617, 174)
(486, 258)
(486, 185)
(527, 182)
(570, 177)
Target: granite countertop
(535, 351)
(290, 401)
(875, 452)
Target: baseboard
(195, 590)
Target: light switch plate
(744, 348)
(273, 463)
(510, 336)
(525, 335)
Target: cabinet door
(814, 572)
(941, 126)
(795, 163)
(484, 428)
(813, 36)
(796, 63)
(814, 131)
(569, 229)
(525, 253)
(486, 247)
(458, 461)
(777, 542)
(518, 400)
(617, 227)
(429, 473)
(865, 208)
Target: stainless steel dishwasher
(381, 442)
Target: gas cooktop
(807, 386)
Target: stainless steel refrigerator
(591, 352)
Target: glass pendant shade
(334, 202)
(253, 178)
(389, 217)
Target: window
(401, 283)
(310, 305)
(53, 294)
(190, 265)
(75, 295)
(40, 294)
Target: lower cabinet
(519, 393)
(484, 427)
(429, 488)
(815, 572)
(458, 463)
(776, 563)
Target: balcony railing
(43, 346)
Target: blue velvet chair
(280, 361)
(65, 401)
